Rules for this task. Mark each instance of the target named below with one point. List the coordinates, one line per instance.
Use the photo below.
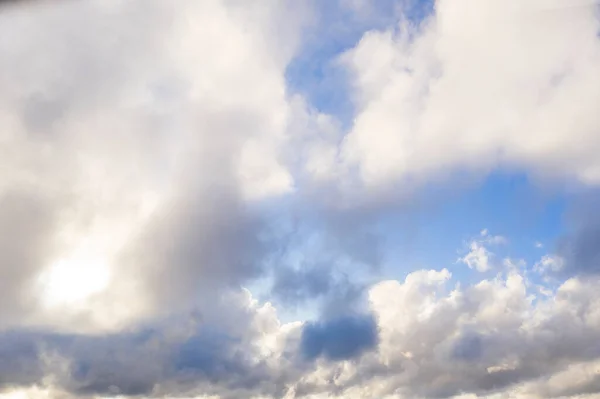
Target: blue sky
(507, 205)
(431, 231)
(435, 229)
(315, 72)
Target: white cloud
(132, 138)
(549, 264)
(491, 239)
(498, 84)
(483, 340)
(479, 256)
(435, 340)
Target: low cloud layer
(425, 338)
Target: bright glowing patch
(70, 281)
(28, 393)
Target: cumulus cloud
(549, 264)
(442, 341)
(181, 355)
(479, 256)
(130, 138)
(425, 337)
(147, 147)
(477, 87)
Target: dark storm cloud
(339, 339)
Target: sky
(230, 199)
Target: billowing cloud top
(204, 199)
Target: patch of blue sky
(294, 241)
(431, 233)
(315, 72)
(435, 235)
(305, 239)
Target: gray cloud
(133, 142)
(580, 249)
(417, 344)
(296, 286)
(178, 355)
(27, 222)
(468, 347)
(339, 339)
(19, 359)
